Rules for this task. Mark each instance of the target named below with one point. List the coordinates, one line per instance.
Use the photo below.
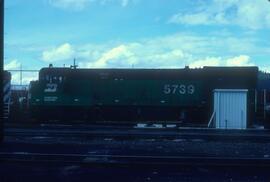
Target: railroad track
(133, 159)
(131, 133)
(104, 155)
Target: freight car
(182, 95)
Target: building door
(230, 107)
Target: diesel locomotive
(182, 95)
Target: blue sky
(136, 33)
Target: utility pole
(1, 68)
(74, 64)
(21, 75)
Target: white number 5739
(178, 89)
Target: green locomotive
(132, 94)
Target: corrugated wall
(231, 109)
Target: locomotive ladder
(6, 110)
(210, 123)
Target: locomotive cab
(46, 92)
(52, 79)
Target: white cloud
(174, 54)
(125, 3)
(139, 54)
(26, 77)
(192, 19)
(246, 13)
(70, 4)
(172, 51)
(63, 52)
(208, 61)
(116, 53)
(78, 5)
(242, 60)
(12, 65)
(16, 76)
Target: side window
(60, 79)
(55, 79)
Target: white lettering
(50, 87)
(182, 89)
(179, 88)
(167, 89)
(191, 89)
(50, 99)
(174, 88)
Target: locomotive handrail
(211, 119)
(19, 87)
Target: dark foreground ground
(71, 172)
(39, 155)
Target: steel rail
(133, 159)
(137, 134)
